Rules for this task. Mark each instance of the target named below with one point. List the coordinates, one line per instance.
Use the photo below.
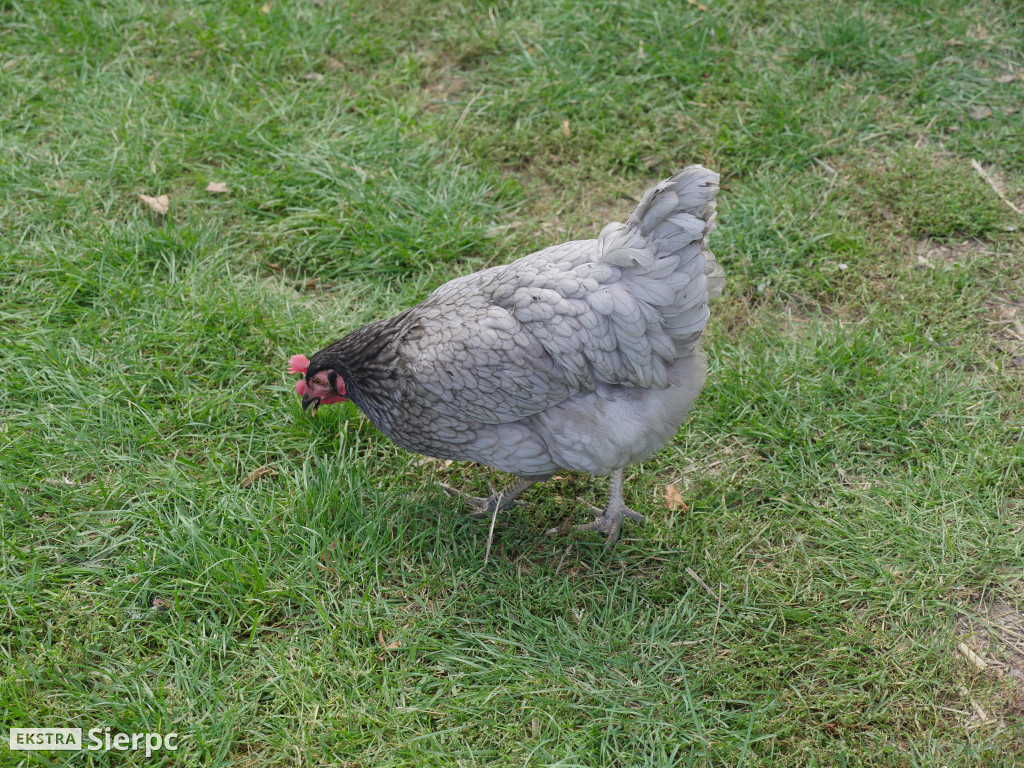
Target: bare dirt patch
(991, 641)
(1007, 330)
(930, 254)
(442, 86)
(1005, 320)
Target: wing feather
(508, 342)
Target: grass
(853, 472)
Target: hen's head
(319, 385)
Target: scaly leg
(498, 502)
(609, 519)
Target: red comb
(298, 364)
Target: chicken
(583, 356)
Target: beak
(308, 400)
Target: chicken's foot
(609, 519)
(497, 502)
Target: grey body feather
(581, 356)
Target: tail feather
(624, 309)
(686, 202)
(663, 254)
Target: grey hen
(582, 356)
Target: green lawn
(182, 549)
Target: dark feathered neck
(368, 359)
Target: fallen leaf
(1009, 77)
(394, 645)
(325, 556)
(640, 53)
(256, 474)
(979, 113)
(266, 7)
(979, 32)
(162, 604)
(217, 187)
(160, 205)
(674, 499)
(315, 77)
(565, 129)
(334, 65)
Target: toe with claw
(482, 507)
(496, 502)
